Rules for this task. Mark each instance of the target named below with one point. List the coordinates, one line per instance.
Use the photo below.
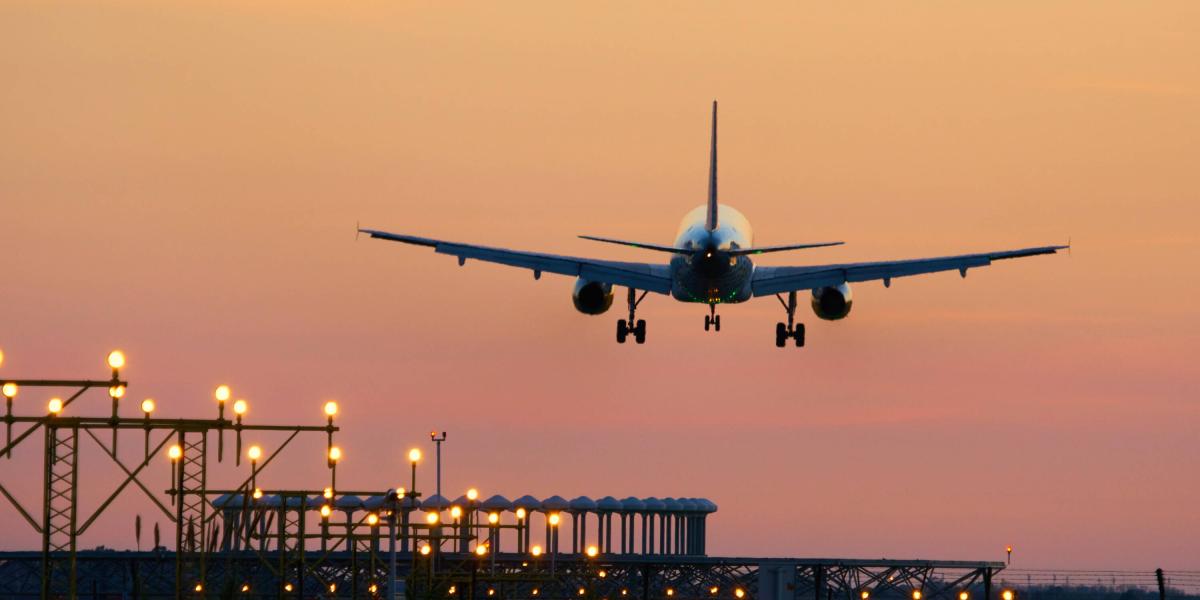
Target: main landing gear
(712, 319)
(791, 329)
(638, 327)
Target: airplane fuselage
(708, 274)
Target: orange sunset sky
(182, 181)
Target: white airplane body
(710, 263)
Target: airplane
(710, 263)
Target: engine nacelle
(592, 297)
(832, 303)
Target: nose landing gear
(791, 329)
(636, 327)
(712, 319)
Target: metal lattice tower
(59, 505)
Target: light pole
(10, 392)
(437, 441)
(1008, 550)
(414, 456)
(335, 454)
(221, 394)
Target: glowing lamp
(713, 590)
(221, 393)
(175, 452)
(963, 595)
(917, 595)
(239, 407)
(481, 550)
(493, 518)
(55, 406)
(117, 391)
(472, 494)
(425, 550)
(116, 359)
(254, 453)
(536, 550)
(326, 511)
(148, 406)
(372, 519)
(414, 455)
(553, 519)
(10, 390)
(327, 493)
(521, 513)
(739, 593)
(335, 454)
(432, 517)
(1007, 594)
(331, 408)
(455, 512)
(865, 594)
(592, 551)
(258, 493)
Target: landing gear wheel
(622, 331)
(799, 335)
(707, 322)
(639, 332)
(717, 322)
(781, 335)
(791, 329)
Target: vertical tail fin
(710, 220)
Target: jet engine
(832, 303)
(592, 297)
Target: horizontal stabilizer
(656, 247)
(762, 249)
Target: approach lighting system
(1007, 595)
(10, 390)
(414, 455)
(335, 454)
(472, 494)
(455, 512)
(175, 452)
(116, 360)
(116, 392)
(331, 408)
(148, 406)
(372, 519)
(963, 595)
(239, 407)
(432, 517)
(739, 593)
(55, 406)
(521, 514)
(254, 453)
(493, 518)
(536, 550)
(481, 550)
(326, 511)
(592, 551)
(553, 519)
(222, 393)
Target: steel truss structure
(246, 542)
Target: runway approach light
(536, 550)
(254, 453)
(739, 593)
(239, 407)
(865, 594)
(481, 550)
(116, 392)
(455, 512)
(55, 406)
(916, 595)
(521, 514)
(432, 517)
(335, 454)
(175, 452)
(414, 455)
(425, 549)
(331, 408)
(148, 406)
(10, 390)
(326, 511)
(553, 519)
(713, 590)
(592, 551)
(372, 519)
(963, 595)
(472, 494)
(327, 493)
(1007, 595)
(493, 518)
(221, 393)
(116, 360)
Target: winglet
(710, 220)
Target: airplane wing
(774, 280)
(642, 276)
